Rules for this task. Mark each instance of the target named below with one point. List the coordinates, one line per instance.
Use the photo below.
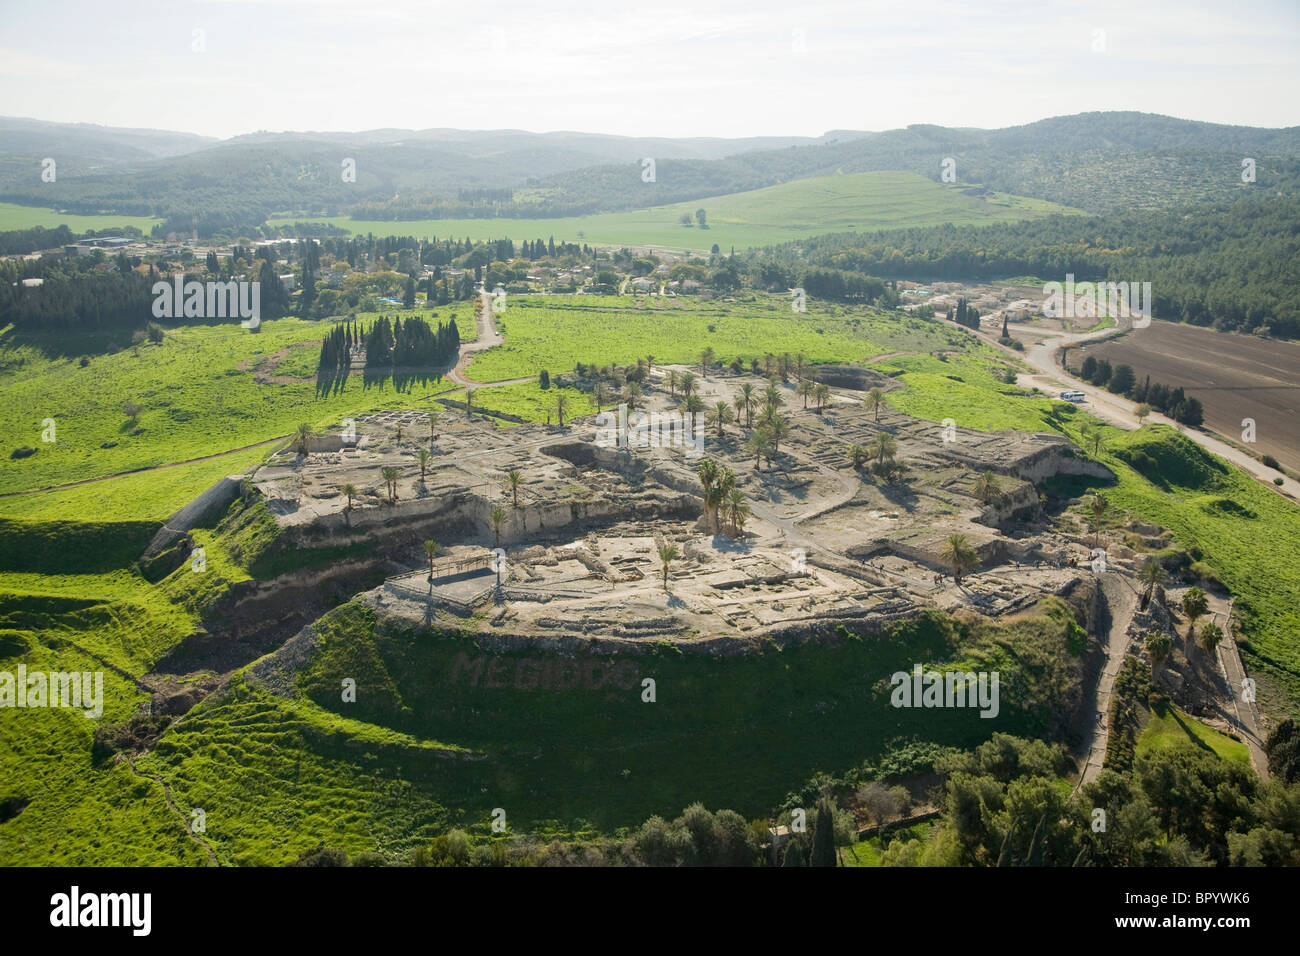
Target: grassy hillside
(575, 759)
(197, 396)
(1241, 531)
(860, 201)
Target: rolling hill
(863, 202)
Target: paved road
(1119, 411)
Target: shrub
(26, 451)
(321, 855)
(1271, 462)
(544, 379)
(84, 361)
(1279, 482)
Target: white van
(1073, 395)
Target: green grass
(964, 389)
(530, 401)
(197, 401)
(82, 813)
(145, 496)
(760, 217)
(557, 332)
(868, 852)
(1240, 528)
(26, 217)
(1171, 728)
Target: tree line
(1232, 265)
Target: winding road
(1119, 411)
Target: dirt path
(140, 471)
(488, 337)
(1121, 603)
(167, 795)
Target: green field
(556, 332)
(197, 395)
(26, 217)
(796, 210)
(1171, 728)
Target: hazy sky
(674, 68)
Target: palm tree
(650, 364)
(857, 455)
(688, 383)
(727, 480)
(1195, 605)
(806, 387)
(351, 491)
(1098, 507)
(600, 396)
(707, 472)
(1152, 574)
(749, 400)
(1158, 646)
(960, 556)
(433, 424)
(986, 488)
(431, 550)
(737, 510)
(720, 415)
(799, 362)
(423, 456)
(632, 394)
(391, 476)
(706, 359)
(713, 500)
(772, 395)
(672, 383)
(779, 426)
(302, 436)
(883, 447)
(498, 518)
(822, 393)
(875, 398)
(786, 365)
(692, 406)
(561, 406)
(667, 555)
(399, 433)
(469, 402)
(513, 480)
(1210, 637)
(769, 364)
(758, 444)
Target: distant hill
(1091, 161)
(863, 202)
